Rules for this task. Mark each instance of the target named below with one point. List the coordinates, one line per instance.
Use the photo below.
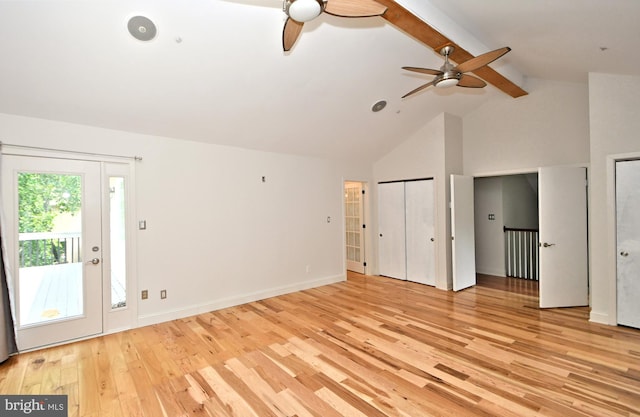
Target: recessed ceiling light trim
(142, 28)
(378, 105)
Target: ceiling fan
(450, 75)
(301, 11)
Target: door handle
(625, 254)
(546, 245)
(94, 261)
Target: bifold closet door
(420, 242)
(391, 230)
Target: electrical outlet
(163, 294)
(145, 294)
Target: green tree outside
(42, 197)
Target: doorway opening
(563, 244)
(507, 225)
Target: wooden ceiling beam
(413, 26)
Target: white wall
(435, 151)
(549, 126)
(216, 234)
(614, 101)
(489, 233)
(520, 202)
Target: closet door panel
(628, 242)
(391, 230)
(420, 248)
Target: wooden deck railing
(41, 249)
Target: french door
(354, 223)
(54, 247)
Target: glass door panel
(52, 209)
(49, 247)
(117, 242)
(353, 226)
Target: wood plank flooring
(369, 346)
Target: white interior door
(354, 221)
(563, 258)
(628, 242)
(463, 254)
(391, 230)
(419, 215)
(53, 223)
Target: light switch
(142, 225)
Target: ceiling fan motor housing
(448, 79)
(449, 76)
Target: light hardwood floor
(369, 347)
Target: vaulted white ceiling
(216, 71)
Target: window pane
(118, 244)
(50, 230)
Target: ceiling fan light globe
(449, 82)
(304, 10)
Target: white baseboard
(601, 318)
(149, 319)
(490, 271)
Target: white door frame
(366, 232)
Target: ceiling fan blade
(355, 8)
(470, 81)
(290, 33)
(423, 70)
(482, 60)
(422, 87)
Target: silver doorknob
(94, 261)
(625, 254)
(546, 245)
(432, 239)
